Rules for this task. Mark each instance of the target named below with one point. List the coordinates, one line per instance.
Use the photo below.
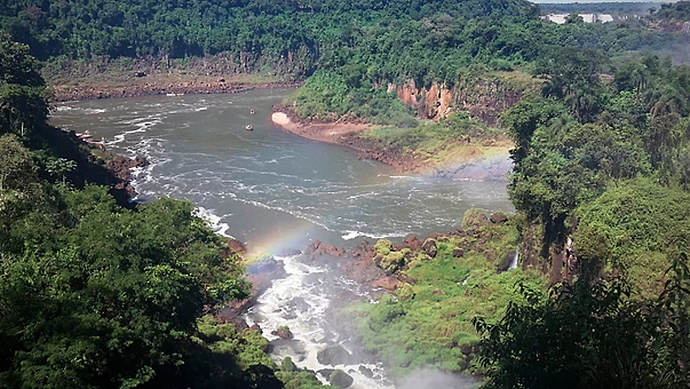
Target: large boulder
(334, 355)
(388, 283)
(340, 379)
(365, 371)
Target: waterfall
(514, 262)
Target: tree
(590, 335)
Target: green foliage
(589, 336)
(634, 227)
(327, 96)
(679, 10)
(95, 295)
(429, 323)
(474, 218)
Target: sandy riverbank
(461, 159)
(322, 132)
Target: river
(274, 190)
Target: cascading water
(514, 261)
(300, 301)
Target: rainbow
(296, 235)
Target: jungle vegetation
(96, 293)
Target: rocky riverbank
(157, 86)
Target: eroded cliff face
(484, 100)
(434, 103)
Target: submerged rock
(334, 355)
(365, 371)
(289, 252)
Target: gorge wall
(482, 99)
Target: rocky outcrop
(283, 332)
(318, 249)
(261, 274)
(433, 103)
(365, 371)
(498, 217)
(429, 247)
(483, 99)
(122, 167)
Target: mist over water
(274, 190)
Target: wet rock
(237, 321)
(498, 217)
(367, 372)
(326, 373)
(237, 246)
(429, 247)
(298, 304)
(363, 270)
(140, 161)
(388, 283)
(341, 379)
(283, 332)
(289, 252)
(334, 355)
(412, 242)
(458, 252)
(262, 272)
(256, 327)
(288, 346)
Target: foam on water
(300, 301)
(349, 235)
(214, 221)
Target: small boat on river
(252, 112)
(249, 127)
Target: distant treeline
(679, 10)
(384, 39)
(627, 8)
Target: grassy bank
(428, 322)
(453, 140)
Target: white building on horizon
(588, 18)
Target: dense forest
(615, 8)
(100, 293)
(96, 293)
